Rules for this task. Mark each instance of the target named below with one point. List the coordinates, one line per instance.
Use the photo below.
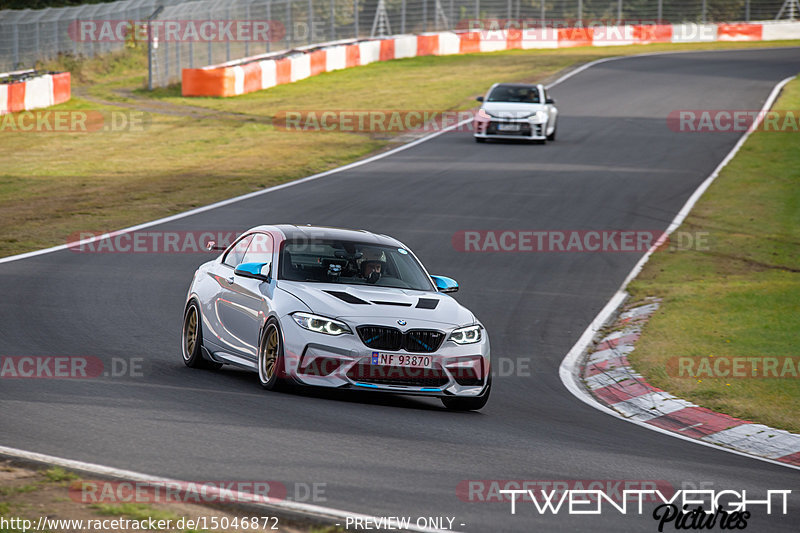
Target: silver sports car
(516, 111)
(335, 308)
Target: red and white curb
(608, 375)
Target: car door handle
(230, 280)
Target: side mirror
(445, 284)
(480, 99)
(550, 101)
(254, 271)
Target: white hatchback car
(516, 111)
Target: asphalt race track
(615, 165)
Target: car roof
(520, 85)
(300, 232)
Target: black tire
(270, 357)
(552, 136)
(469, 404)
(192, 339)
(480, 140)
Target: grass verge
(189, 152)
(741, 296)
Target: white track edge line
(242, 497)
(569, 368)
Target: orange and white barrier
(652, 33)
(253, 74)
(780, 31)
(35, 93)
(739, 32)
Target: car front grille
(423, 340)
(390, 375)
(381, 338)
(524, 130)
(415, 340)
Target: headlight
(539, 116)
(320, 324)
(467, 335)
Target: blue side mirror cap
(445, 284)
(254, 271)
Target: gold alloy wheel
(269, 354)
(190, 333)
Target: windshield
(508, 93)
(352, 263)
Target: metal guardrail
(30, 36)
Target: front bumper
(344, 361)
(494, 129)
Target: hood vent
(427, 303)
(401, 304)
(347, 297)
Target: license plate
(402, 360)
(508, 127)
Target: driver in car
(371, 265)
